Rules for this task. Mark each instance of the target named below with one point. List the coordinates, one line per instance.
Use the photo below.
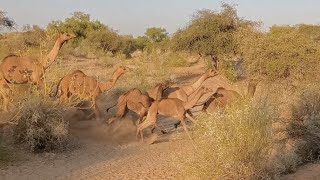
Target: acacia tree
(5, 21)
(156, 35)
(209, 33)
(79, 23)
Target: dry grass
(233, 144)
(41, 126)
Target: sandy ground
(97, 155)
(306, 172)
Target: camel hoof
(164, 132)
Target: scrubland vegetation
(247, 140)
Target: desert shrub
(210, 32)
(175, 60)
(305, 125)
(233, 144)
(41, 126)
(230, 70)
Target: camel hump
(10, 55)
(78, 71)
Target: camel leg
(96, 109)
(157, 126)
(5, 103)
(144, 125)
(121, 112)
(190, 117)
(177, 124)
(184, 125)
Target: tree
(5, 21)
(210, 33)
(79, 23)
(141, 42)
(156, 35)
(312, 31)
(283, 52)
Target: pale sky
(134, 16)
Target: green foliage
(141, 42)
(229, 69)
(5, 21)
(156, 35)
(104, 39)
(312, 31)
(92, 36)
(128, 45)
(281, 53)
(209, 32)
(79, 23)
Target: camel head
(219, 92)
(66, 36)
(156, 92)
(212, 73)
(206, 90)
(121, 70)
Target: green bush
(281, 53)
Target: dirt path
(306, 172)
(97, 156)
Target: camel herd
(163, 99)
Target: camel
(171, 107)
(222, 97)
(185, 91)
(137, 102)
(23, 70)
(86, 87)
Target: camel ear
(217, 95)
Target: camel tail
(110, 107)
(55, 90)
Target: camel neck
(49, 58)
(196, 85)
(192, 102)
(110, 83)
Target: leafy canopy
(209, 32)
(5, 21)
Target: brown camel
(5, 92)
(137, 102)
(186, 91)
(171, 107)
(86, 87)
(222, 97)
(22, 70)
